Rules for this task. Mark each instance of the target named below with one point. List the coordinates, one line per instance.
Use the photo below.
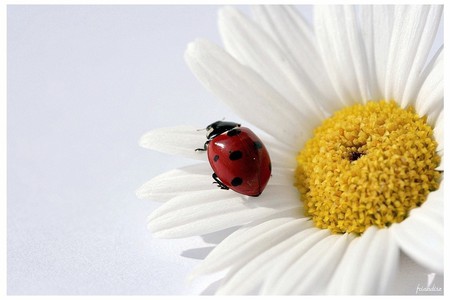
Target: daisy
(352, 111)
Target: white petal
(280, 155)
(282, 176)
(390, 260)
(176, 182)
(440, 151)
(292, 33)
(421, 235)
(433, 204)
(310, 237)
(343, 52)
(247, 93)
(432, 63)
(430, 100)
(202, 212)
(379, 266)
(316, 280)
(423, 48)
(309, 274)
(180, 140)
(358, 54)
(442, 163)
(376, 27)
(430, 212)
(244, 278)
(253, 47)
(347, 273)
(407, 48)
(243, 245)
(439, 131)
(369, 265)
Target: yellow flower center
(367, 165)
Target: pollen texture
(368, 164)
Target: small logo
(431, 287)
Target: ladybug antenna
(201, 129)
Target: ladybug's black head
(219, 127)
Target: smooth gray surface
(84, 83)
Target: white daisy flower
(353, 112)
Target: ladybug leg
(205, 146)
(218, 182)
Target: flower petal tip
(144, 140)
(179, 140)
(155, 232)
(195, 47)
(140, 194)
(227, 12)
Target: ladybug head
(219, 127)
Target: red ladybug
(239, 159)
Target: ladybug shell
(240, 160)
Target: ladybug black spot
(258, 145)
(233, 132)
(235, 155)
(270, 167)
(236, 181)
(216, 157)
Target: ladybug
(239, 159)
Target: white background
(84, 83)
